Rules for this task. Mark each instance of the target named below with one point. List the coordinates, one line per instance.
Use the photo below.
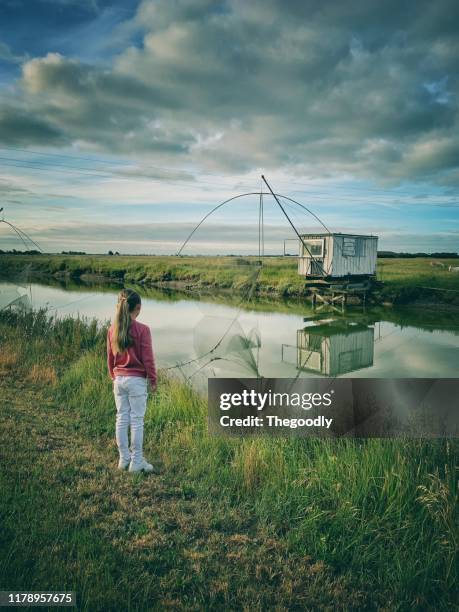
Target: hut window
(353, 247)
(315, 248)
(348, 247)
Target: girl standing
(131, 364)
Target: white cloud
(233, 86)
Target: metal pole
(293, 227)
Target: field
(224, 524)
(405, 280)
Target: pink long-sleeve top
(138, 359)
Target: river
(203, 336)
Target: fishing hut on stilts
(338, 268)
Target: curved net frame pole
(22, 234)
(242, 195)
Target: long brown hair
(127, 301)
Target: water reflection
(216, 335)
(332, 348)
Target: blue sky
(123, 123)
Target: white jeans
(131, 402)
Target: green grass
(236, 273)
(405, 280)
(230, 523)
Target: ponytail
(127, 301)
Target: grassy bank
(405, 280)
(227, 524)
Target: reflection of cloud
(439, 357)
(420, 354)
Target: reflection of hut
(337, 255)
(335, 348)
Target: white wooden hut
(337, 255)
(334, 349)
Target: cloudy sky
(123, 122)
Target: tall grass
(384, 511)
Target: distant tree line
(35, 252)
(15, 252)
(383, 254)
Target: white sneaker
(144, 466)
(123, 465)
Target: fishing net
(222, 345)
(235, 350)
(15, 291)
(14, 296)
